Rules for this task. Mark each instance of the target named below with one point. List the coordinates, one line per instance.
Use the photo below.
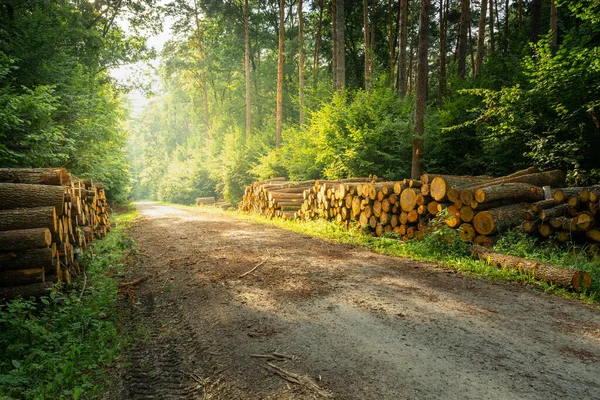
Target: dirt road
(346, 323)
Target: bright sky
(142, 71)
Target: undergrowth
(444, 247)
(59, 347)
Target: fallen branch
(253, 269)
(297, 379)
(133, 283)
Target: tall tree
(366, 42)
(443, 43)
(402, 78)
(203, 73)
(301, 61)
(465, 25)
(318, 45)
(334, 42)
(520, 11)
(279, 111)
(536, 20)
(247, 70)
(492, 41)
(391, 41)
(340, 46)
(481, 37)
(421, 90)
(506, 21)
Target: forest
(250, 90)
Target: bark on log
(205, 200)
(543, 204)
(33, 258)
(35, 290)
(25, 239)
(516, 192)
(36, 176)
(21, 195)
(27, 218)
(579, 280)
(553, 212)
(491, 221)
(16, 277)
(561, 195)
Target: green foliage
(60, 346)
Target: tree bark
(21, 195)
(536, 20)
(481, 37)
(443, 23)
(366, 42)
(32, 258)
(506, 18)
(279, 111)
(497, 219)
(334, 42)
(554, 22)
(301, 60)
(465, 22)
(247, 69)
(25, 239)
(402, 78)
(27, 218)
(318, 45)
(579, 280)
(391, 42)
(515, 192)
(340, 48)
(492, 41)
(38, 176)
(520, 11)
(421, 92)
(17, 277)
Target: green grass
(444, 247)
(60, 347)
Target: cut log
(439, 186)
(553, 212)
(36, 176)
(467, 214)
(543, 204)
(16, 277)
(25, 239)
(33, 258)
(497, 219)
(466, 232)
(561, 195)
(485, 241)
(205, 200)
(35, 290)
(452, 218)
(516, 192)
(20, 195)
(584, 221)
(579, 280)
(27, 218)
(593, 234)
(466, 196)
(408, 199)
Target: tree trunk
(27, 218)
(492, 41)
(497, 219)
(32, 258)
(366, 42)
(443, 23)
(391, 42)
(300, 61)
(201, 56)
(554, 22)
(421, 95)
(520, 11)
(25, 239)
(279, 111)
(402, 78)
(580, 280)
(515, 192)
(372, 39)
(318, 46)
(247, 70)
(481, 37)
(340, 48)
(38, 176)
(22, 195)
(471, 52)
(334, 42)
(536, 20)
(506, 17)
(465, 22)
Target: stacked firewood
(569, 215)
(274, 197)
(47, 219)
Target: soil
(322, 320)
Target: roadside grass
(444, 247)
(60, 346)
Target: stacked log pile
(571, 214)
(47, 219)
